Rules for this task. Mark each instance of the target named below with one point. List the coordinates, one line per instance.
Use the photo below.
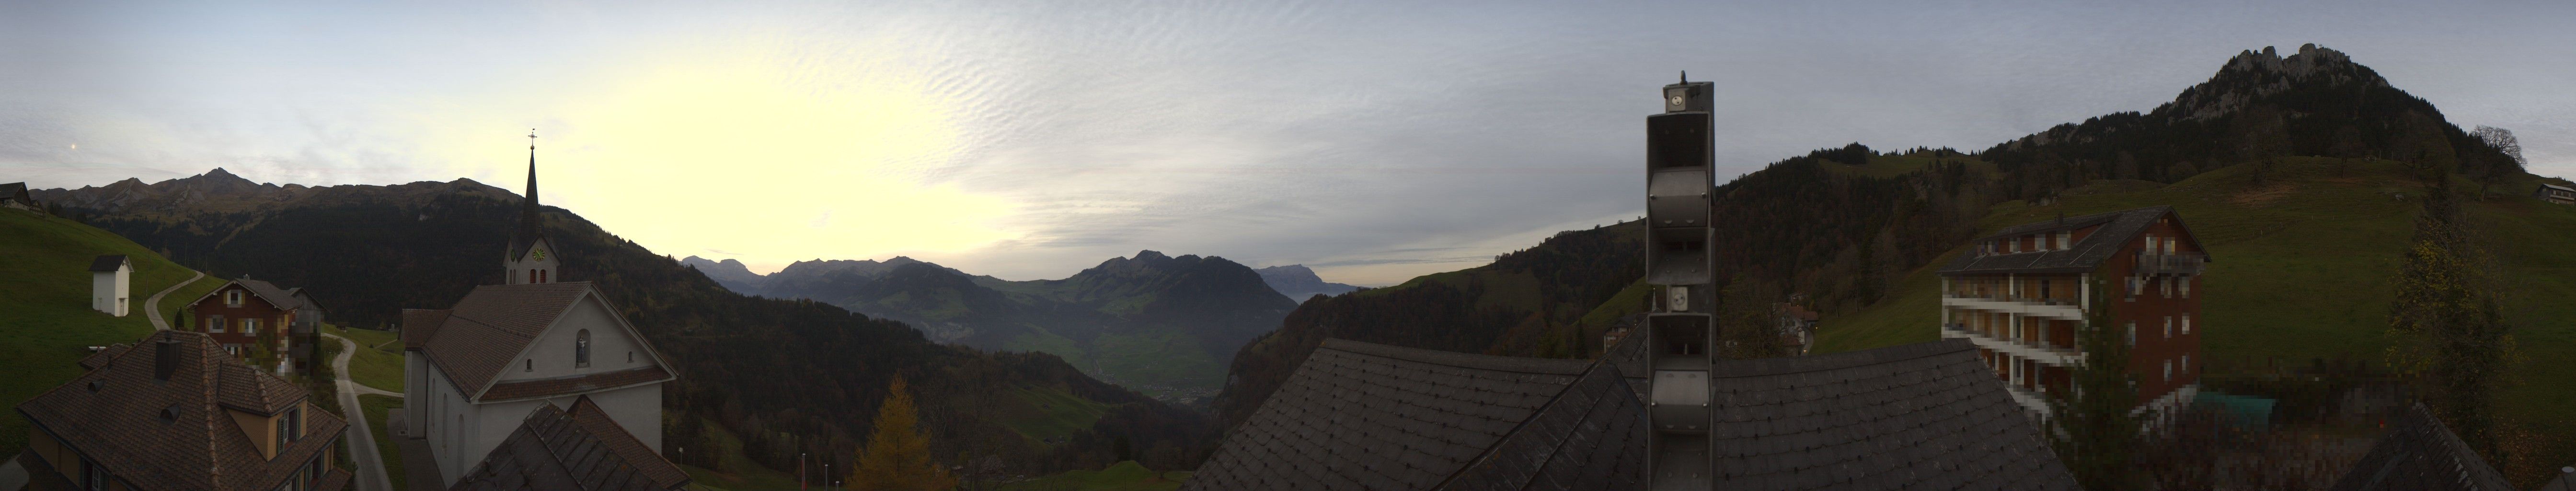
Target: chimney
(165, 358)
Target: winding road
(152, 306)
(361, 441)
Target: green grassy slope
(2300, 270)
(1123, 476)
(378, 362)
(741, 473)
(376, 407)
(45, 320)
(1053, 413)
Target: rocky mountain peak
(2255, 74)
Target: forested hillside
(2301, 141)
(785, 376)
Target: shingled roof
(479, 338)
(488, 328)
(107, 264)
(269, 292)
(2118, 228)
(114, 416)
(2421, 454)
(1918, 416)
(1361, 416)
(581, 449)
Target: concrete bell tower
(531, 258)
(1680, 331)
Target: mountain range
(767, 378)
(1153, 322)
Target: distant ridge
(1299, 283)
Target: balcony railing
(1997, 297)
(2174, 264)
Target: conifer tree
(2091, 426)
(898, 455)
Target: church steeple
(530, 259)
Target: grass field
(740, 473)
(376, 408)
(1123, 476)
(45, 319)
(1058, 414)
(378, 362)
(2300, 269)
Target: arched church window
(532, 276)
(581, 349)
(541, 276)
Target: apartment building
(2021, 296)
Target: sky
(1372, 141)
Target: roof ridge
(1490, 448)
(1551, 366)
(213, 408)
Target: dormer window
(233, 298)
(581, 349)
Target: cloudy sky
(1372, 140)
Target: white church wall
(552, 352)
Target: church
(530, 349)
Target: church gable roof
(488, 329)
(418, 325)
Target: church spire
(529, 227)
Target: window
(630, 357)
(93, 477)
(250, 326)
(233, 298)
(2184, 285)
(2168, 327)
(532, 276)
(2186, 324)
(2168, 370)
(2186, 363)
(2133, 333)
(2165, 287)
(541, 276)
(214, 323)
(581, 349)
(2065, 239)
(532, 365)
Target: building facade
(2023, 294)
(2555, 194)
(252, 320)
(110, 277)
(475, 372)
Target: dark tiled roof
(13, 190)
(1365, 416)
(492, 324)
(100, 359)
(604, 380)
(1918, 416)
(264, 290)
(2118, 228)
(557, 450)
(245, 389)
(119, 426)
(304, 298)
(107, 264)
(418, 325)
(1592, 437)
(2421, 454)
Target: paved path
(152, 306)
(362, 441)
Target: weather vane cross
(532, 138)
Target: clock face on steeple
(537, 253)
